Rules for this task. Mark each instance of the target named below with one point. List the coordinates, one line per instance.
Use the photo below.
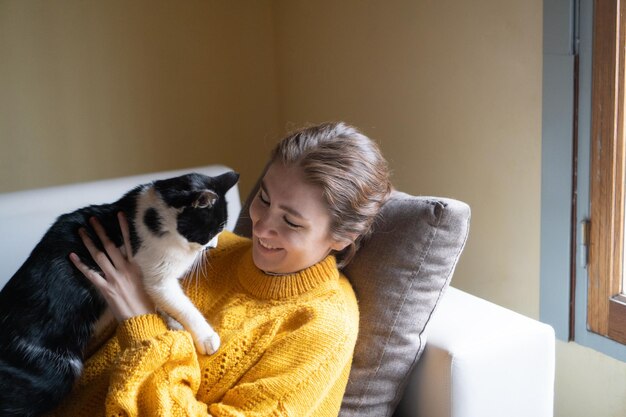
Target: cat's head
(192, 206)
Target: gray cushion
(399, 275)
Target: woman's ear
(339, 245)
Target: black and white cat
(48, 309)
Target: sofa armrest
(482, 360)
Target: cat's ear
(225, 181)
(204, 199)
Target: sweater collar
(267, 286)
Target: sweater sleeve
(303, 371)
(157, 373)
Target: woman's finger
(110, 248)
(95, 278)
(121, 218)
(96, 254)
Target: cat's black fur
(48, 308)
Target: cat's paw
(171, 322)
(207, 345)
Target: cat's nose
(213, 242)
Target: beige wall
(94, 89)
(451, 90)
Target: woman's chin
(266, 260)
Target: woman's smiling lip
(267, 246)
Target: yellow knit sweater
(287, 344)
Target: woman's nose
(263, 226)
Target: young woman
(286, 316)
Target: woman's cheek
(291, 239)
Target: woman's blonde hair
(351, 171)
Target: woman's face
(290, 222)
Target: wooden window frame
(606, 307)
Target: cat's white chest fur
(168, 255)
(165, 258)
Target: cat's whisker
(197, 271)
(204, 266)
(210, 266)
(188, 278)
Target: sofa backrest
(26, 215)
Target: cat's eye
(206, 199)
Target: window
(582, 224)
(606, 305)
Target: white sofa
(481, 360)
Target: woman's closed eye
(266, 202)
(263, 199)
(290, 224)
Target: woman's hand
(121, 286)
